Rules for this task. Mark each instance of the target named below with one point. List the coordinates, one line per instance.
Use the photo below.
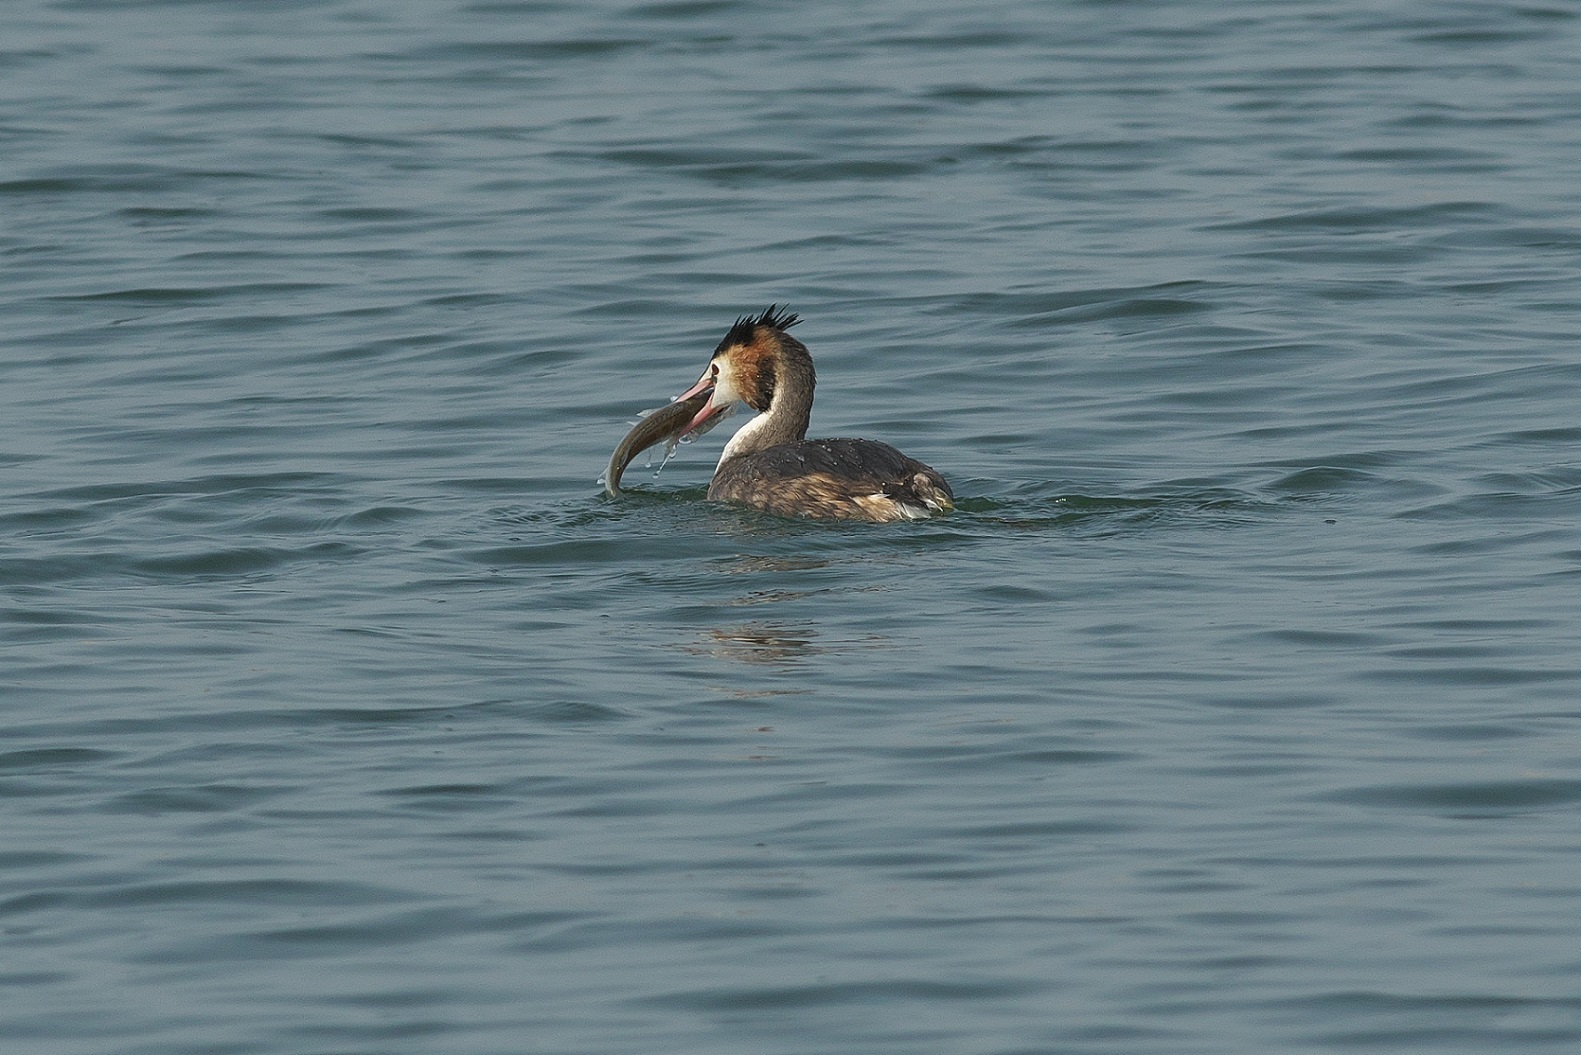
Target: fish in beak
(683, 419)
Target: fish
(662, 423)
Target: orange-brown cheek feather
(754, 373)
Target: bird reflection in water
(760, 642)
(774, 643)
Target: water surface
(1234, 711)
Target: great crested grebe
(771, 465)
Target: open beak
(704, 386)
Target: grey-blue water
(1237, 710)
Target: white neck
(743, 437)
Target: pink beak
(706, 384)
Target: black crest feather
(743, 331)
(779, 320)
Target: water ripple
(343, 711)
